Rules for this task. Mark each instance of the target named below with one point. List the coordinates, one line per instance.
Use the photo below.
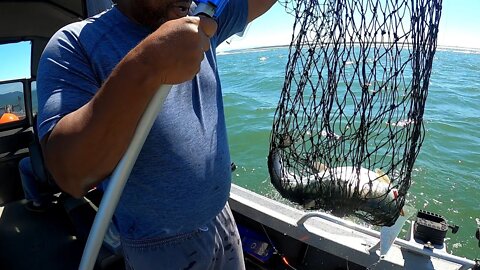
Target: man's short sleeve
(232, 20)
(65, 79)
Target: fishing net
(349, 123)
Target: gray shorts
(217, 245)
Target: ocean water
(446, 176)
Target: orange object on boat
(8, 117)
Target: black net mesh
(349, 123)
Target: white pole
(119, 179)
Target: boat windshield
(15, 80)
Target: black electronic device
(431, 228)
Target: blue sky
(459, 27)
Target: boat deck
(37, 240)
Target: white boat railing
(337, 236)
(411, 245)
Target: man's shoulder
(232, 20)
(89, 34)
(84, 29)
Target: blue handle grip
(215, 6)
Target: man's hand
(176, 49)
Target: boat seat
(13, 147)
(81, 212)
(36, 158)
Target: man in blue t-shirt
(95, 80)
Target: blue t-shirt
(182, 177)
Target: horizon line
(225, 48)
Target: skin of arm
(86, 145)
(256, 8)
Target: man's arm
(85, 146)
(257, 7)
